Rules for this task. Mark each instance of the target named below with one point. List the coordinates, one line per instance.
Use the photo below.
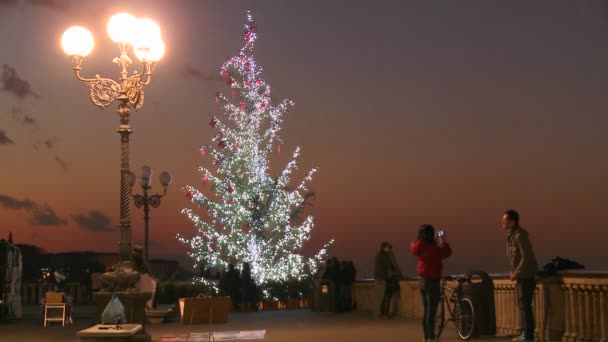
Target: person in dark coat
(233, 286)
(386, 273)
(249, 289)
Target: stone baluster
(582, 325)
(575, 332)
(568, 315)
(512, 310)
(603, 315)
(595, 313)
(518, 317)
(497, 307)
(589, 321)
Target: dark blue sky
(444, 112)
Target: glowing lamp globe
(121, 27)
(165, 178)
(77, 41)
(151, 51)
(146, 171)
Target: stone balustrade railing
(569, 307)
(32, 293)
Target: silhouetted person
(387, 276)
(430, 252)
(348, 273)
(249, 288)
(233, 286)
(523, 270)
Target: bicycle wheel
(440, 318)
(464, 316)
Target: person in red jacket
(431, 251)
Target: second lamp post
(146, 201)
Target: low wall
(569, 307)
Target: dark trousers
(389, 290)
(430, 291)
(525, 295)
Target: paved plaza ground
(296, 326)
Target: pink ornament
(243, 105)
(205, 179)
(189, 195)
(230, 201)
(248, 84)
(233, 93)
(224, 73)
(222, 144)
(229, 189)
(203, 152)
(279, 149)
(229, 83)
(213, 123)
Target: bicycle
(459, 307)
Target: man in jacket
(387, 276)
(523, 270)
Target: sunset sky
(443, 112)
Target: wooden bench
(104, 332)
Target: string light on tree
(252, 216)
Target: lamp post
(142, 37)
(145, 201)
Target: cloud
(13, 203)
(45, 216)
(19, 115)
(28, 120)
(39, 215)
(94, 221)
(194, 73)
(62, 163)
(58, 5)
(12, 83)
(49, 143)
(4, 139)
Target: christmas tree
(250, 216)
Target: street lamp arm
(154, 200)
(138, 200)
(148, 72)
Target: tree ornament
(205, 179)
(217, 97)
(224, 73)
(221, 144)
(213, 123)
(279, 148)
(229, 189)
(229, 82)
(230, 201)
(243, 105)
(234, 93)
(189, 195)
(203, 152)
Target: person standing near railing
(523, 270)
(431, 249)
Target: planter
(204, 310)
